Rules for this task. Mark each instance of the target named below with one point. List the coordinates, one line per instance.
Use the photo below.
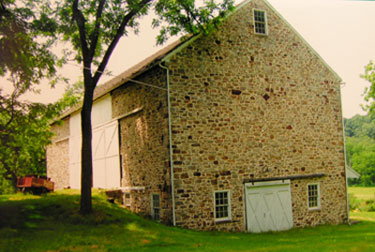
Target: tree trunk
(86, 153)
(14, 182)
(9, 174)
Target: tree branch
(8, 171)
(11, 117)
(95, 34)
(3, 11)
(80, 20)
(13, 98)
(119, 33)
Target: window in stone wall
(127, 200)
(222, 205)
(260, 22)
(155, 206)
(313, 196)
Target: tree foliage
(26, 37)
(24, 57)
(95, 27)
(360, 148)
(360, 126)
(369, 93)
(25, 133)
(360, 143)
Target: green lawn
(362, 216)
(51, 223)
(364, 203)
(363, 193)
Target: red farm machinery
(35, 184)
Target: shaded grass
(52, 223)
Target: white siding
(75, 141)
(101, 111)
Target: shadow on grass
(21, 211)
(52, 223)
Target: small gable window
(260, 22)
(313, 196)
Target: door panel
(268, 207)
(106, 160)
(112, 172)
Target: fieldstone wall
(58, 155)
(332, 200)
(246, 106)
(144, 141)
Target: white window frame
(229, 217)
(153, 207)
(265, 22)
(318, 196)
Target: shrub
(354, 202)
(5, 186)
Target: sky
(341, 32)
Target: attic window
(260, 22)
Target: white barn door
(268, 206)
(106, 165)
(105, 147)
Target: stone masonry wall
(246, 106)
(58, 155)
(144, 141)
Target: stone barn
(240, 130)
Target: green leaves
(184, 16)
(360, 147)
(173, 18)
(27, 33)
(369, 93)
(361, 129)
(24, 50)
(361, 156)
(25, 132)
(45, 25)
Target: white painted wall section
(101, 111)
(75, 141)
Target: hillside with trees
(360, 148)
